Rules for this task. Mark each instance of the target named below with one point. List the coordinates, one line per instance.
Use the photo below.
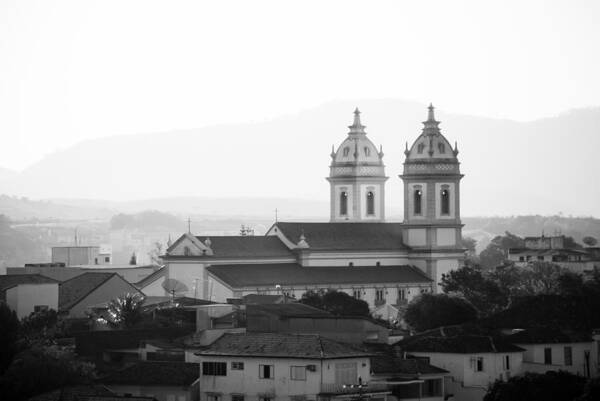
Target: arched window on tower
(420, 148)
(346, 151)
(370, 203)
(343, 203)
(441, 148)
(445, 201)
(417, 201)
(367, 151)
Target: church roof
(260, 275)
(345, 236)
(239, 246)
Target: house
(408, 379)
(278, 366)
(473, 361)
(27, 293)
(549, 349)
(164, 381)
(357, 251)
(79, 294)
(305, 319)
(81, 255)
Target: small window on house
(506, 362)
(343, 203)
(521, 258)
(548, 356)
(40, 308)
(445, 201)
(420, 148)
(95, 261)
(540, 258)
(367, 151)
(370, 203)
(477, 363)
(298, 372)
(568, 356)
(265, 399)
(350, 264)
(266, 371)
(432, 388)
(237, 397)
(346, 151)
(213, 397)
(441, 148)
(401, 294)
(377, 264)
(380, 295)
(214, 369)
(356, 293)
(187, 251)
(418, 197)
(237, 365)
(107, 259)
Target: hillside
(511, 168)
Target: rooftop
(460, 344)
(254, 275)
(155, 374)
(74, 290)
(12, 280)
(279, 345)
(548, 335)
(345, 236)
(243, 246)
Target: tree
(428, 311)
(497, 250)
(556, 386)
(336, 302)
(126, 310)
(590, 241)
(156, 252)
(41, 327)
(9, 334)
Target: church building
(357, 251)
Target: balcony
(332, 389)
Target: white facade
(577, 358)
(27, 298)
(288, 377)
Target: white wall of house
(249, 383)
(534, 359)
(23, 298)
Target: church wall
(356, 258)
(416, 237)
(192, 274)
(445, 236)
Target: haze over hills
(540, 167)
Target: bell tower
(432, 201)
(357, 178)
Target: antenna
(276, 215)
(189, 225)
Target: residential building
(27, 293)
(373, 260)
(81, 255)
(549, 349)
(78, 295)
(164, 381)
(473, 361)
(277, 366)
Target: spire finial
(357, 127)
(430, 115)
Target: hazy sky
(73, 70)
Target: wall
(24, 297)
(77, 255)
(247, 381)
(113, 288)
(533, 360)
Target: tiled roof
(548, 335)
(279, 345)
(244, 246)
(387, 363)
(252, 275)
(461, 344)
(11, 280)
(155, 374)
(74, 290)
(345, 236)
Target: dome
(431, 145)
(357, 155)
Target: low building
(27, 293)
(277, 366)
(81, 255)
(473, 361)
(78, 295)
(164, 381)
(549, 349)
(132, 274)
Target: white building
(276, 366)
(357, 240)
(27, 293)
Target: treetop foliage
(428, 311)
(336, 302)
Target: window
(420, 148)
(237, 397)
(237, 365)
(265, 371)
(298, 372)
(213, 397)
(107, 259)
(548, 356)
(346, 151)
(350, 264)
(401, 294)
(432, 388)
(441, 148)
(445, 201)
(506, 362)
(214, 369)
(356, 293)
(379, 295)
(265, 398)
(95, 261)
(367, 151)
(343, 203)
(540, 258)
(370, 203)
(40, 308)
(521, 258)
(568, 356)
(477, 363)
(377, 264)
(418, 195)
(187, 251)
